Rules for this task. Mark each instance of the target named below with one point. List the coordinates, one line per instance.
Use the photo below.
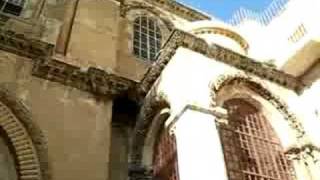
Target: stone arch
(144, 9)
(26, 138)
(152, 106)
(154, 130)
(262, 91)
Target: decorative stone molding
(180, 38)
(29, 143)
(305, 153)
(23, 46)
(93, 80)
(179, 9)
(255, 86)
(225, 32)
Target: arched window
(13, 7)
(147, 38)
(165, 164)
(251, 148)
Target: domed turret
(219, 33)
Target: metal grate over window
(147, 38)
(251, 148)
(13, 7)
(165, 164)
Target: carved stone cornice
(179, 38)
(23, 46)
(179, 9)
(96, 81)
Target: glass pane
(144, 54)
(151, 25)
(136, 51)
(144, 30)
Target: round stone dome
(217, 32)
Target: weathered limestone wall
(94, 35)
(76, 125)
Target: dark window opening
(13, 7)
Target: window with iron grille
(251, 148)
(147, 38)
(165, 164)
(13, 7)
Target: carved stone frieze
(96, 81)
(180, 38)
(23, 46)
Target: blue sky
(224, 9)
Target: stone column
(199, 150)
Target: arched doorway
(252, 149)
(165, 164)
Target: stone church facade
(154, 89)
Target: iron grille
(165, 158)
(251, 148)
